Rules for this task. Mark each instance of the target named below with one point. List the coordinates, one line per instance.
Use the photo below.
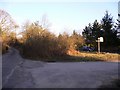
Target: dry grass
(75, 56)
(96, 56)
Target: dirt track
(22, 73)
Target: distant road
(22, 73)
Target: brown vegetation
(40, 43)
(97, 56)
(7, 27)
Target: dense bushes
(4, 41)
(4, 48)
(39, 42)
(46, 45)
(7, 40)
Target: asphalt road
(22, 73)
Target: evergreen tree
(92, 32)
(117, 26)
(96, 32)
(109, 33)
(87, 34)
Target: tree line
(38, 41)
(107, 29)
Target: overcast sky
(63, 16)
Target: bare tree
(7, 28)
(45, 22)
(6, 22)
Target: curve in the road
(23, 73)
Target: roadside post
(100, 39)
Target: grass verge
(77, 57)
(98, 56)
(74, 56)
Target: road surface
(22, 73)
